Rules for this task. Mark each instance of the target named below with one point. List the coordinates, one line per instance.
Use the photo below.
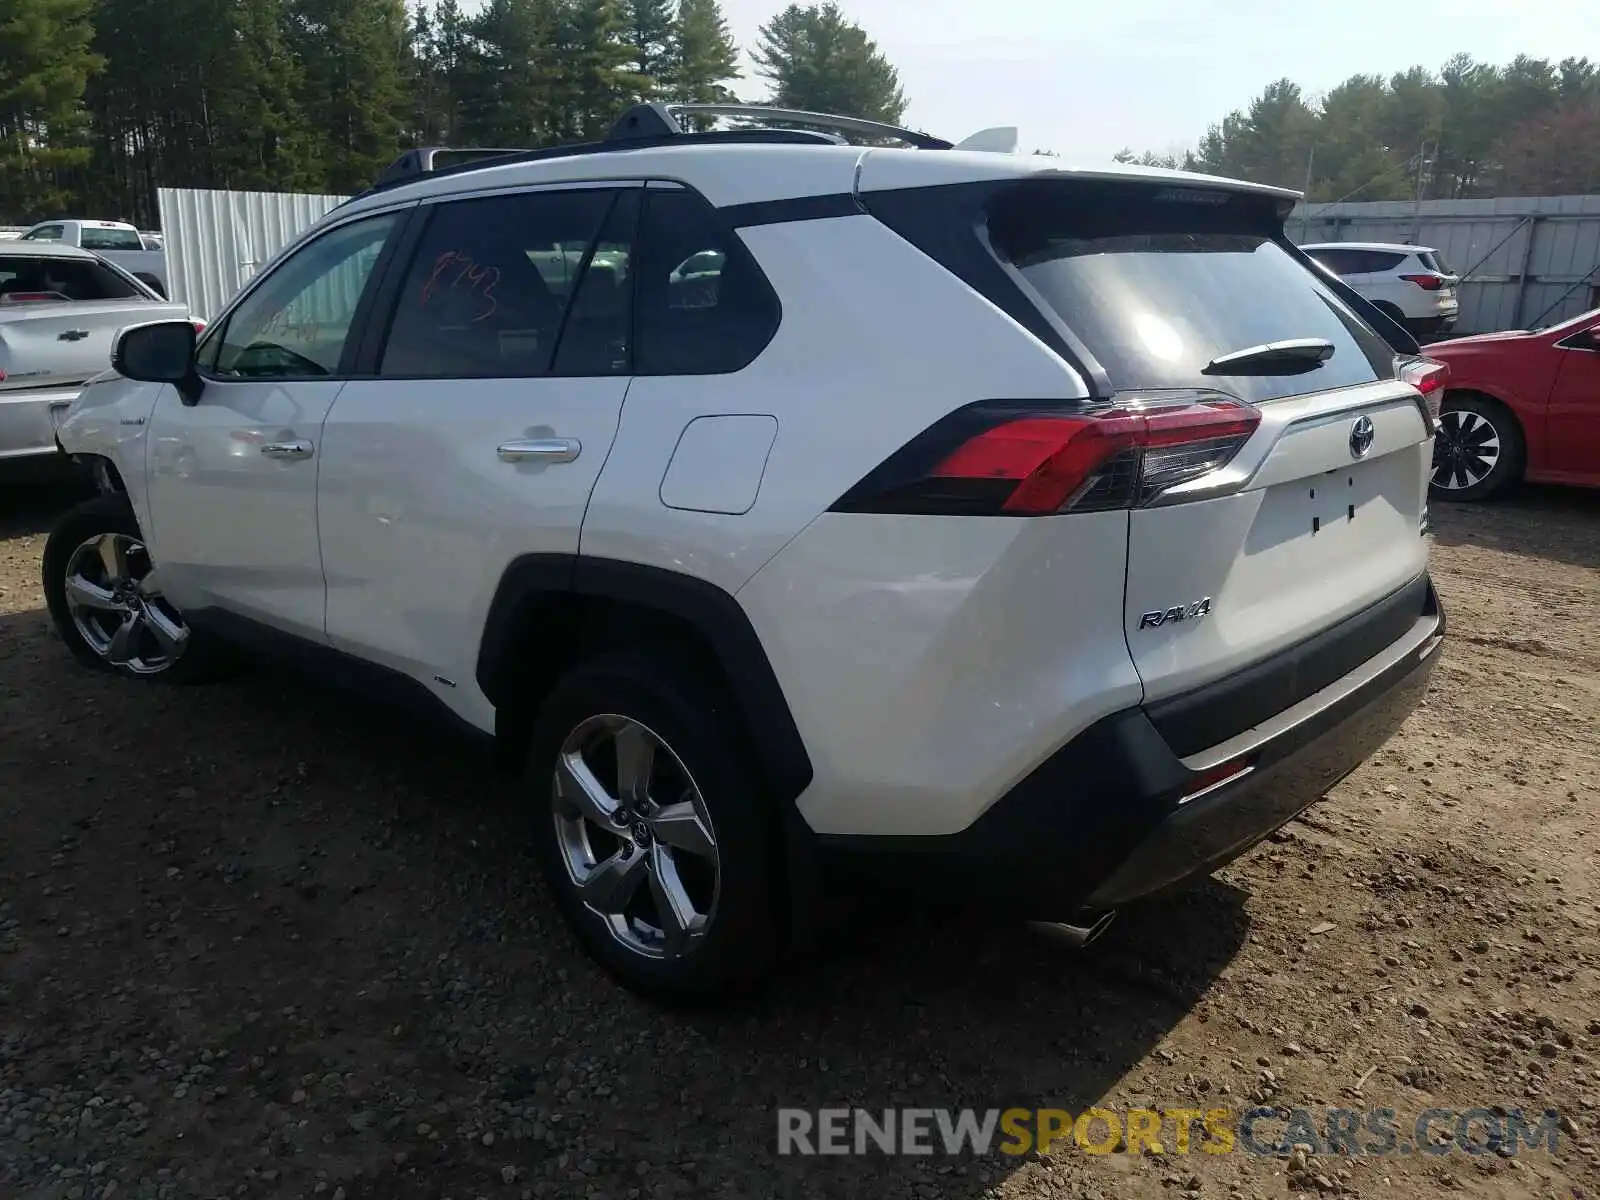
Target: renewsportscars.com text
(1259, 1131)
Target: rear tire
(649, 822)
(105, 600)
(1479, 450)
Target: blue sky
(1087, 77)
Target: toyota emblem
(1361, 435)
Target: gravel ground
(257, 941)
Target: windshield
(1570, 325)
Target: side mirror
(159, 352)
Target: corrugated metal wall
(1526, 260)
(216, 240)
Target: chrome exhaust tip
(1077, 936)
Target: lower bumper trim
(1116, 815)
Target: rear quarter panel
(876, 343)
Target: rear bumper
(27, 427)
(1116, 814)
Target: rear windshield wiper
(1273, 358)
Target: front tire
(1478, 451)
(655, 840)
(105, 599)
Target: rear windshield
(38, 279)
(111, 239)
(1156, 288)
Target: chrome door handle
(551, 450)
(299, 448)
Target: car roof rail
(435, 161)
(429, 160)
(662, 118)
(656, 124)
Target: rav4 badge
(1165, 616)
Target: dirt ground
(257, 941)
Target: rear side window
(704, 307)
(1156, 288)
(45, 233)
(39, 279)
(1433, 262)
(111, 239)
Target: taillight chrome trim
(1280, 417)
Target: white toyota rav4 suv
(798, 512)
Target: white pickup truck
(115, 241)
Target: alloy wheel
(635, 836)
(114, 598)
(1466, 450)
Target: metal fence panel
(216, 240)
(1524, 260)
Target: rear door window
(1376, 262)
(1340, 262)
(492, 283)
(1157, 284)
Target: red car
(1522, 405)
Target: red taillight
(199, 325)
(1428, 283)
(32, 297)
(1429, 376)
(1009, 459)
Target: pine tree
(595, 83)
(451, 51)
(45, 65)
(260, 139)
(648, 31)
(703, 58)
(816, 59)
(353, 55)
(504, 74)
(427, 82)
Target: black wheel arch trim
(533, 579)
